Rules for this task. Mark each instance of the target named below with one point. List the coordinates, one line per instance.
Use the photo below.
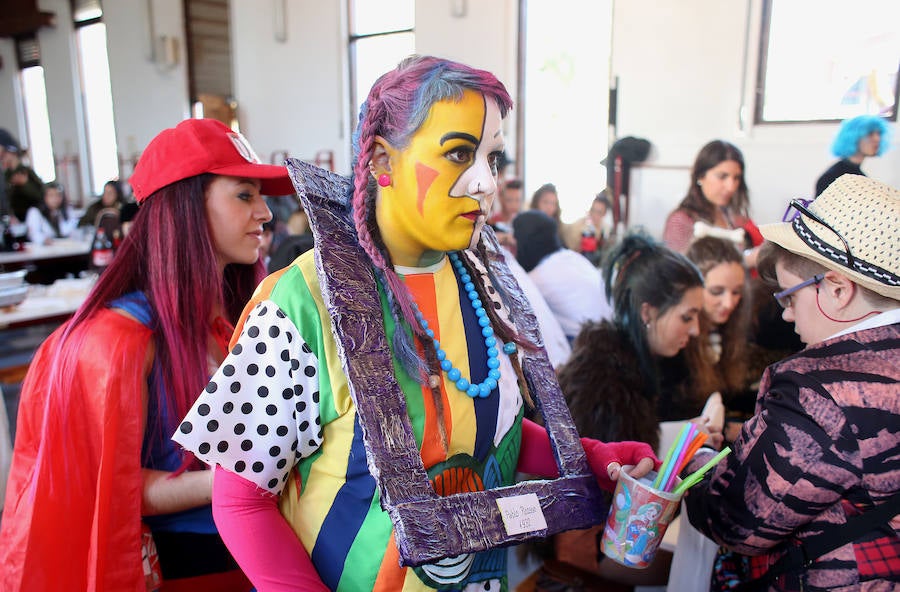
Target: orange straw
(696, 443)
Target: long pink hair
(168, 255)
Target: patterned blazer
(824, 443)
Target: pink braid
(361, 215)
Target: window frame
(761, 72)
(90, 167)
(39, 153)
(352, 70)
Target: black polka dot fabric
(259, 414)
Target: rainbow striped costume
(278, 412)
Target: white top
(889, 317)
(39, 228)
(555, 342)
(573, 289)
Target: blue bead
(485, 388)
(509, 348)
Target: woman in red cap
(99, 498)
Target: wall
(148, 95)
(485, 37)
(681, 67)
(291, 95)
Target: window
(93, 62)
(381, 35)
(828, 61)
(566, 88)
(34, 99)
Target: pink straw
(674, 452)
(684, 445)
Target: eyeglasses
(785, 297)
(791, 212)
(800, 206)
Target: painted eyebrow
(458, 136)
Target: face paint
(443, 182)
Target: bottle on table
(589, 241)
(101, 251)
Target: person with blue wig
(858, 138)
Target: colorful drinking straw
(695, 477)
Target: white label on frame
(522, 513)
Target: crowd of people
(245, 405)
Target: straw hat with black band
(866, 213)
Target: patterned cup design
(638, 518)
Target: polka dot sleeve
(259, 414)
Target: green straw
(659, 475)
(694, 477)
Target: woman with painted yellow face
(442, 184)
(399, 253)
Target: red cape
(72, 518)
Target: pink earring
(384, 180)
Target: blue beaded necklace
(485, 388)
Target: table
(64, 257)
(27, 324)
(48, 303)
(62, 248)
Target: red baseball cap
(197, 146)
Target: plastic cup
(638, 518)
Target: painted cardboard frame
(429, 527)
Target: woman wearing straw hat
(810, 489)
